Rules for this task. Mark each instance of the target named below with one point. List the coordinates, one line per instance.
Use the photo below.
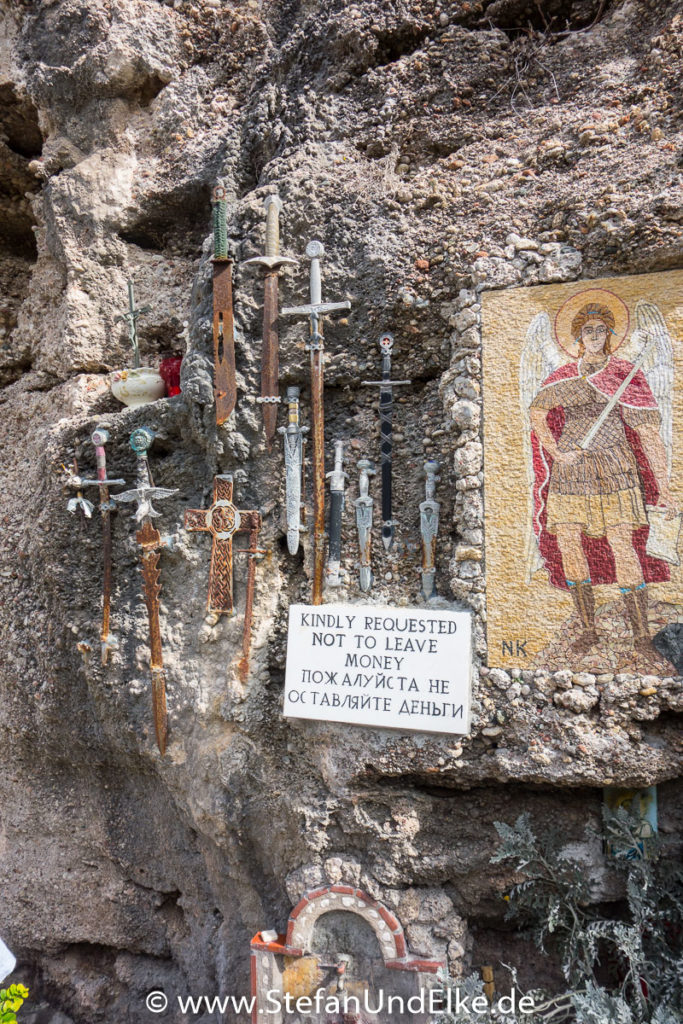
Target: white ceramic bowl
(138, 386)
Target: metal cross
(223, 520)
(131, 318)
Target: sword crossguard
(271, 262)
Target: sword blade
(105, 639)
(385, 418)
(318, 462)
(270, 355)
(364, 524)
(293, 492)
(149, 540)
(243, 666)
(335, 545)
(225, 388)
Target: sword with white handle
(271, 262)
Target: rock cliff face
(437, 150)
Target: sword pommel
(141, 440)
(315, 250)
(99, 437)
(386, 343)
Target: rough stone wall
(437, 150)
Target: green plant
(11, 1000)
(639, 948)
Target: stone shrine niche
(340, 945)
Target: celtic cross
(223, 520)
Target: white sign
(393, 668)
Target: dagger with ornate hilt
(272, 262)
(363, 505)
(224, 384)
(315, 311)
(151, 543)
(386, 385)
(292, 436)
(429, 528)
(337, 480)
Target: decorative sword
(429, 527)
(363, 505)
(337, 480)
(272, 261)
(150, 542)
(224, 387)
(131, 318)
(99, 438)
(315, 311)
(292, 436)
(386, 384)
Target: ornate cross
(223, 520)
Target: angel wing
(540, 357)
(658, 366)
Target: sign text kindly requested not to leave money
(391, 668)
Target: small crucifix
(223, 520)
(131, 318)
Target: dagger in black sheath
(337, 480)
(386, 384)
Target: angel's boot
(635, 600)
(584, 602)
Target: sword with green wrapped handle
(224, 386)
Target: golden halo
(568, 311)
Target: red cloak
(596, 549)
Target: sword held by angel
(598, 453)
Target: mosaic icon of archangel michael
(596, 391)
